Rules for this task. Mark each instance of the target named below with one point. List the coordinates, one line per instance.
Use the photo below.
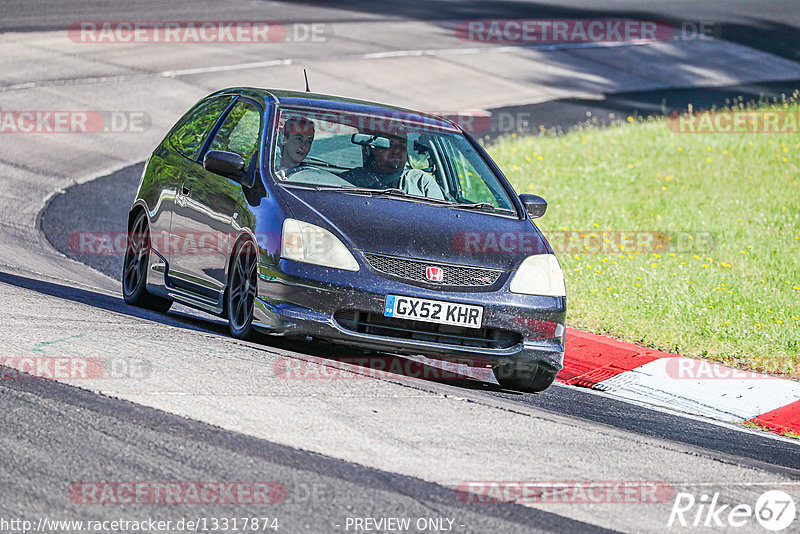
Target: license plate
(433, 311)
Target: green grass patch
(755, 426)
(689, 243)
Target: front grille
(380, 325)
(414, 270)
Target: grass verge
(762, 428)
(686, 242)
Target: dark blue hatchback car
(306, 215)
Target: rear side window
(240, 131)
(192, 129)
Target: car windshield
(405, 154)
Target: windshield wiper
(483, 206)
(391, 191)
(478, 206)
(373, 191)
(316, 187)
(322, 163)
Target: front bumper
(300, 300)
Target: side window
(474, 177)
(240, 131)
(473, 187)
(192, 129)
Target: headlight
(539, 275)
(308, 243)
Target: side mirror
(228, 164)
(534, 205)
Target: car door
(204, 223)
(169, 161)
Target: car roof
(286, 98)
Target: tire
(242, 289)
(134, 268)
(530, 379)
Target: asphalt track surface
(102, 205)
(55, 434)
(767, 25)
(132, 443)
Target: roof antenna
(306, 77)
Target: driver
(298, 134)
(386, 168)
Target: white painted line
(511, 49)
(370, 56)
(411, 53)
(724, 398)
(668, 410)
(226, 68)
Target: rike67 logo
(774, 510)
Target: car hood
(433, 232)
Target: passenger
(298, 134)
(387, 168)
